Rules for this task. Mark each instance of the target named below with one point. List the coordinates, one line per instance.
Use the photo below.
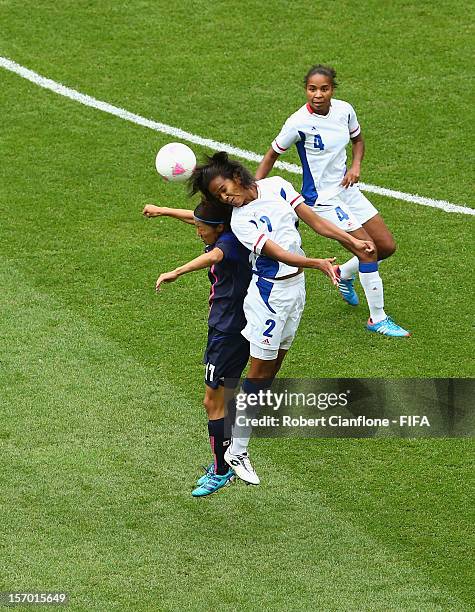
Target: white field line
(67, 92)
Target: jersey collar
(309, 108)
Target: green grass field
(103, 430)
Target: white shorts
(273, 310)
(348, 210)
(358, 203)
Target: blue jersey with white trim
(321, 142)
(230, 279)
(270, 216)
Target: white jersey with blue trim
(270, 216)
(321, 142)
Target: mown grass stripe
(97, 462)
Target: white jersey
(321, 142)
(270, 215)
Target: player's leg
(219, 474)
(271, 334)
(259, 378)
(214, 405)
(339, 213)
(370, 279)
(263, 329)
(226, 357)
(280, 359)
(370, 219)
(336, 211)
(381, 236)
(368, 272)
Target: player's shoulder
(269, 182)
(276, 187)
(232, 249)
(296, 118)
(226, 238)
(273, 185)
(341, 106)
(239, 219)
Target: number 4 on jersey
(318, 142)
(341, 214)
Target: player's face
(319, 92)
(229, 191)
(208, 233)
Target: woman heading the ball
(227, 351)
(264, 218)
(321, 130)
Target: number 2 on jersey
(271, 324)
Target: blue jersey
(230, 279)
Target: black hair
(218, 164)
(327, 71)
(213, 214)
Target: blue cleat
(209, 471)
(213, 483)
(387, 327)
(347, 290)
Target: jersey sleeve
(353, 125)
(287, 136)
(289, 193)
(246, 231)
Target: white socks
(239, 445)
(373, 289)
(349, 268)
(371, 283)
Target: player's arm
(330, 230)
(182, 214)
(352, 175)
(287, 136)
(273, 250)
(266, 164)
(199, 263)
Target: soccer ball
(175, 162)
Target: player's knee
(214, 407)
(263, 370)
(210, 404)
(368, 257)
(387, 249)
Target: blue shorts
(226, 356)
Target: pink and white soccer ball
(175, 162)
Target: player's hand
(351, 177)
(166, 277)
(326, 266)
(153, 211)
(364, 246)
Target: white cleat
(242, 467)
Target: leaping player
(264, 218)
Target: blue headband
(209, 222)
